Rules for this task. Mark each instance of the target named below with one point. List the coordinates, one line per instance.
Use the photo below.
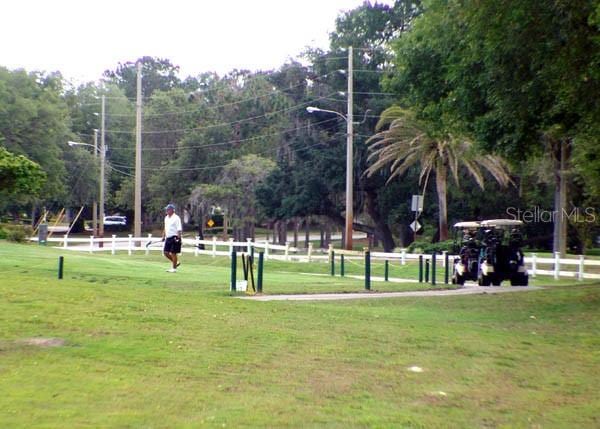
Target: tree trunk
(381, 227)
(306, 231)
(561, 155)
(441, 188)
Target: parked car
(115, 223)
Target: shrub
(428, 247)
(17, 233)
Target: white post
(266, 249)
(91, 243)
(287, 250)
(533, 264)
(249, 245)
(403, 256)
(556, 265)
(310, 249)
(230, 247)
(197, 245)
(114, 244)
(149, 240)
(129, 245)
(444, 258)
(214, 246)
(581, 266)
(65, 241)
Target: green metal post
(367, 270)
(61, 260)
(233, 269)
(433, 268)
(420, 268)
(426, 270)
(446, 273)
(261, 261)
(386, 270)
(342, 265)
(332, 263)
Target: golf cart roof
(467, 224)
(501, 222)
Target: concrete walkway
(466, 290)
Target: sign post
(417, 207)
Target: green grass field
(145, 348)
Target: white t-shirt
(172, 225)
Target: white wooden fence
(554, 266)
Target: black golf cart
(501, 257)
(467, 248)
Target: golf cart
(501, 257)
(467, 248)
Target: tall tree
(409, 141)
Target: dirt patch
(43, 342)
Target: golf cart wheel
(483, 280)
(458, 279)
(519, 279)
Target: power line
(182, 130)
(262, 136)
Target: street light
(349, 173)
(102, 151)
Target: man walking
(172, 237)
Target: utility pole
(349, 156)
(95, 202)
(137, 221)
(102, 163)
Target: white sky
(82, 38)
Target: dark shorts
(172, 245)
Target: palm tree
(409, 141)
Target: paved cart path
(466, 290)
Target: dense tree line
(516, 79)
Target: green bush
(18, 233)
(422, 246)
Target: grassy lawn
(145, 348)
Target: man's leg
(174, 260)
(168, 256)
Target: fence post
(444, 258)
(426, 270)
(249, 246)
(233, 269)
(310, 249)
(287, 250)
(91, 243)
(332, 261)
(61, 261)
(114, 244)
(197, 246)
(556, 265)
(420, 268)
(214, 246)
(581, 266)
(367, 269)
(149, 240)
(533, 264)
(403, 256)
(433, 267)
(65, 240)
(261, 261)
(342, 267)
(266, 249)
(129, 245)
(231, 247)
(386, 270)
(446, 267)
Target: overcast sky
(82, 38)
